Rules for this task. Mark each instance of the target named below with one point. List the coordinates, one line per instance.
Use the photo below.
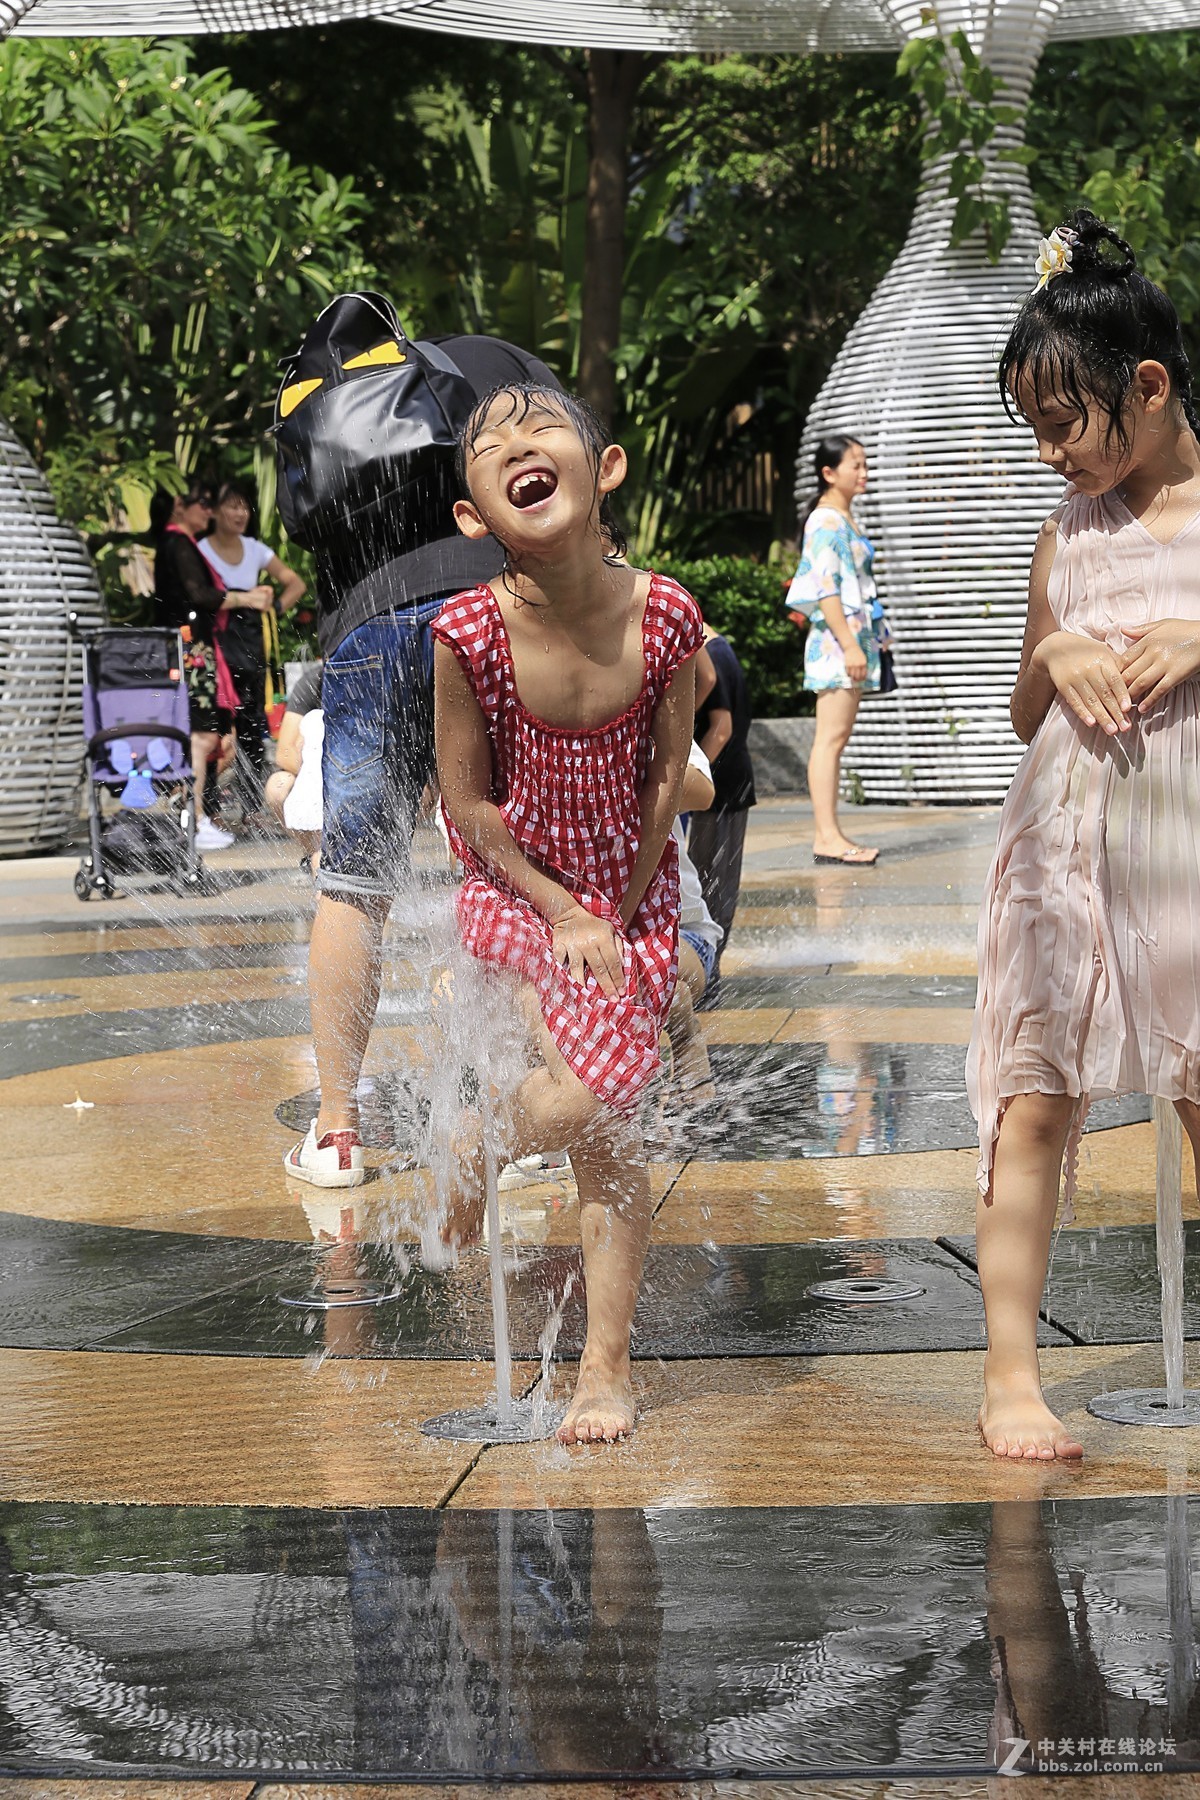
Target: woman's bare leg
(836, 712)
(206, 747)
(1013, 1229)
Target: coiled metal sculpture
(45, 576)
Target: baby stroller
(137, 747)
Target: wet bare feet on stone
(463, 1224)
(1016, 1423)
(602, 1410)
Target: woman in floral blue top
(833, 594)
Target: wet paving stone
(1104, 1286)
(696, 1302)
(92, 1037)
(63, 1285)
(778, 1102)
(756, 1643)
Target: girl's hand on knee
(1163, 655)
(581, 942)
(1088, 677)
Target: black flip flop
(849, 862)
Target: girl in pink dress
(564, 701)
(1089, 980)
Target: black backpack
(366, 425)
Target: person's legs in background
(837, 709)
(279, 785)
(250, 768)
(716, 841)
(692, 1071)
(378, 755)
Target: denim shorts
(377, 698)
(704, 950)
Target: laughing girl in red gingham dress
(564, 696)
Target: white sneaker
(335, 1162)
(550, 1165)
(210, 836)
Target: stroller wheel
(83, 887)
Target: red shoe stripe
(345, 1142)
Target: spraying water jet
(1173, 1404)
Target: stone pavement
(233, 1566)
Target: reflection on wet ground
(786, 1641)
(706, 1604)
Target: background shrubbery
(743, 600)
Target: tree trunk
(613, 79)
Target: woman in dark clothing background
(247, 566)
(188, 597)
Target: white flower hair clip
(1054, 257)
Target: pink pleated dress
(1089, 948)
(572, 801)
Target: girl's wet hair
(522, 398)
(827, 455)
(1079, 339)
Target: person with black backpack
(366, 429)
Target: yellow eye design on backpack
(297, 391)
(383, 356)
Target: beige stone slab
(858, 918)
(938, 1787)
(844, 1430)
(180, 1140)
(1123, 1787)
(844, 1028)
(187, 1140)
(212, 986)
(827, 1197)
(916, 1194)
(948, 961)
(36, 1787)
(744, 1025)
(156, 1430)
(199, 933)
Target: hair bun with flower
(1056, 256)
(1084, 245)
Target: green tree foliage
(744, 601)
(960, 118)
(157, 253)
(767, 197)
(1115, 123)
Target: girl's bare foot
(1015, 1422)
(467, 1200)
(602, 1409)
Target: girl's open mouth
(531, 486)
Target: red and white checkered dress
(571, 799)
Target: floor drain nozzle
(1146, 1406)
(864, 1290)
